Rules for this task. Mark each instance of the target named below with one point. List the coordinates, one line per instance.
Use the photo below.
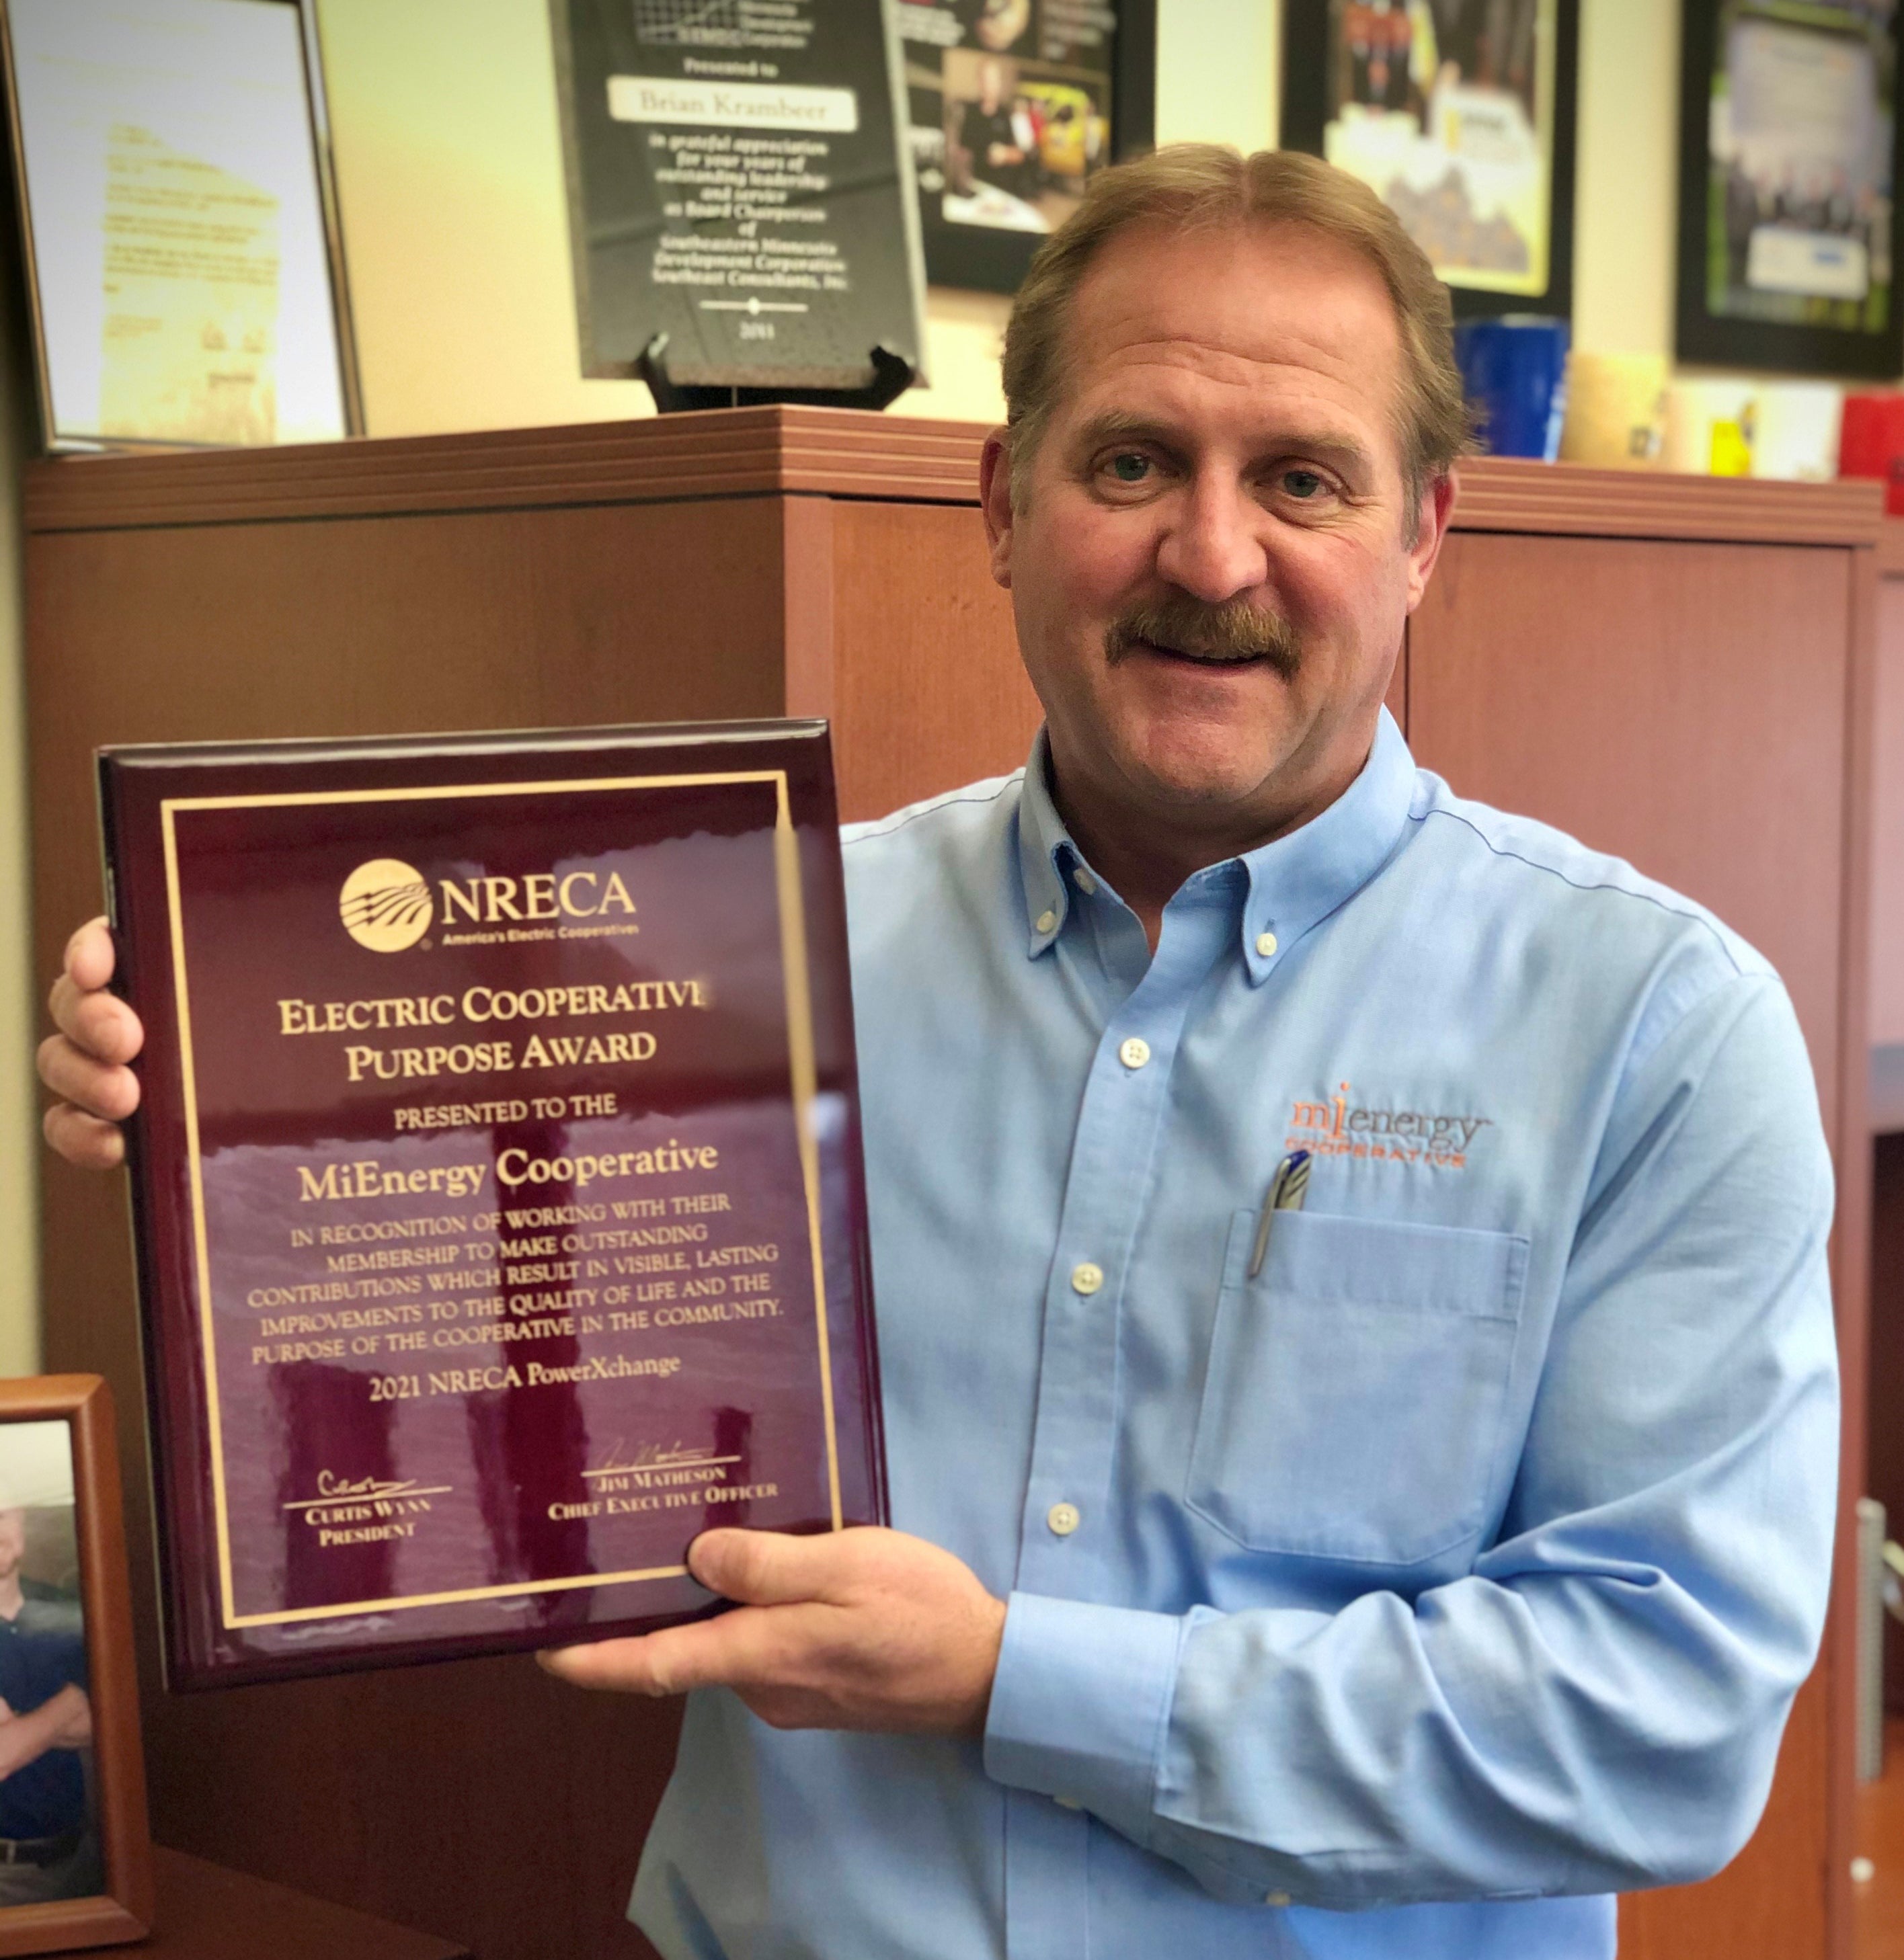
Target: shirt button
(1086, 1278)
(1063, 1518)
(1266, 944)
(1275, 1898)
(1046, 921)
(1134, 1052)
(1083, 881)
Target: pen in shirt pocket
(1287, 1188)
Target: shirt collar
(1295, 882)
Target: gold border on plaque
(804, 1071)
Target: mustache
(1228, 634)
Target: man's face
(1217, 554)
(13, 1542)
(991, 86)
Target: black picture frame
(1722, 339)
(1306, 107)
(981, 259)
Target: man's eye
(1303, 485)
(1130, 467)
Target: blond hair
(1208, 186)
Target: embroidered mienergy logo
(1342, 1128)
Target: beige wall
(1218, 72)
(1624, 212)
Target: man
(1401, 1574)
(48, 1850)
(987, 138)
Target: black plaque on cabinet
(736, 182)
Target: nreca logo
(385, 906)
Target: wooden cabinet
(1675, 669)
(1696, 705)
(207, 1912)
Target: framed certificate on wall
(1459, 115)
(1788, 167)
(184, 271)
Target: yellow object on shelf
(1710, 425)
(1615, 411)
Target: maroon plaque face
(498, 1181)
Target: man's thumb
(759, 1568)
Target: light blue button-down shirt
(1408, 1597)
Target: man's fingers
(89, 955)
(84, 1140)
(100, 1088)
(762, 1568)
(84, 1063)
(101, 1024)
(729, 1651)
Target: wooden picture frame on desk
(122, 1910)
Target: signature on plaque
(361, 1510)
(654, 1465)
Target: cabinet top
(823, 452)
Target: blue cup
(1514, 370)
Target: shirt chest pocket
(1355, 1396)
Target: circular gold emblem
(385, 905)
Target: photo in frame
(1789, 164)
(1460, 115)
(75, 1858)
(185, 272)
(1015, 105)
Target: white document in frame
(178, 226)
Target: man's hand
(65, 1721)
(860, 1629)
(74, 1709)
(84, 1063)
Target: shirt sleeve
(1596, 1705)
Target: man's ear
(994, 500)
(1436, 511)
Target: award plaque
(738, 190)
(496, 1181)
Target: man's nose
(1212, 544)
